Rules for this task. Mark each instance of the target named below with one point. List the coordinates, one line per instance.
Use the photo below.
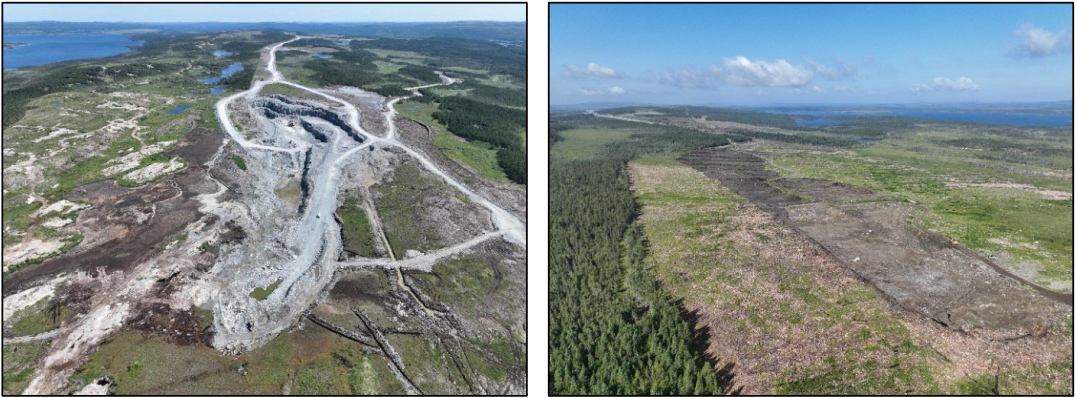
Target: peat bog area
(871, 234)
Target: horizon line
(266, 22)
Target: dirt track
(920, 271)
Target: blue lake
(322, 56)
(46, 49)
(230, 70)
(816, 123)
(216, 90)
(221, 54)
(414, 108)
(179, 109)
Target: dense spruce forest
(612, 329)
(493, 124)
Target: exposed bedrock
(127, 226)
(920, 271)
(273, 107)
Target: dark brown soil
(744, 174)
(920, 271)
(181, 327)
(825, 191)
(144, 219)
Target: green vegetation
(397, 209)
(44, 316)
(479, 156)
(18, 364)
(356, 230)
(474, 120)
(629, 337)
(240, 162)
(923, 168)
(514, 163)
(263, 293)
(469, 282)
(142, 365)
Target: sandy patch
(56, 223)
(56, 133)
(1005, 242)
(121, 105)
(28, 297)
(62, 207)
(1051, 195)
(153, 171)
(130, 161)
(34, 248)
(647, 112)
(76, 345)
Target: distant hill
(592, 106)
(478, 30)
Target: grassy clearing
(581, 144)
(398, 207)
(478, 156)
(307, 362)
(356, 229)
(263, 293)
(1039, 228)
(43, 316)
(468, 284)
(790, 318)
(18, 364)
(240, 162)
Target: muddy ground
(919, 271)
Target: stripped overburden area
(875, 256)
(346, 214)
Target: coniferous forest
(612, 329)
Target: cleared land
(188, 263)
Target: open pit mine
(262, 243)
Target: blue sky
(264, 12)
(758, 54)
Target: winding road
(315, 236)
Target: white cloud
(760, 92)
(744, 72)
(816, 89)
(839, 71)
(685, 78)
(615, 90)
(1037, 42)
(946, 84)
(591, 70)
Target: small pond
(230, 70)
(179, 109)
